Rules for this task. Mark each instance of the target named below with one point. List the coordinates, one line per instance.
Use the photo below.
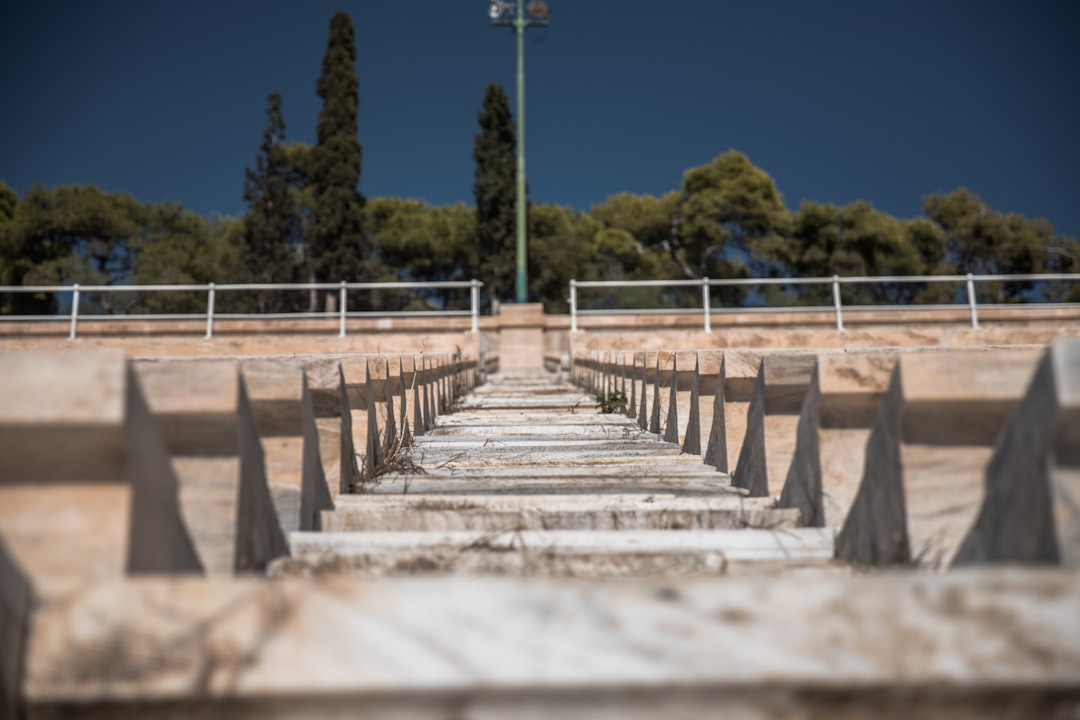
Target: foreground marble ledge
(972, 634)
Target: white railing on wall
(212, 290)
(836, 281)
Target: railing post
(971, 301)
(573, 306)
(836, 303)
(74, 312)
(342, 303)
(474, 305)
(210, 295)
(705, 304)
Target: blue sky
(885, 101)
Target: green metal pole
(519, 28)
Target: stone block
(16, 606)
(365, 383)
(1031, 504)
(285, 416)
(521, 337)
(716, 449)
(740, 373)
(930, 442)
(772, 418)
(333, 419)
(86, 488)
(833, 428)
(696, 404)
(212, 437)
(409, 400)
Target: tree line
(307, 221)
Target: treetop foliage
(338, 247)
(271, 238)
(495, 193)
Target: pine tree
(494, 191)
(271, 226)
(338, 249)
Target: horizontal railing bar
(643, 311)
(719, 310)
(849, 279)
(238, 316)
(638, 283)
(698, 311)
(442, 284)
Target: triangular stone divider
(403, 407)
(716, 448)
(671, 431)
(654, 416)
(1028, 514)
(419, 427)
(642, 418)
(373, 457)
(692, 442)
(429, 392)
(391, 421)
(622, 373)
(751, 468)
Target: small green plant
(612, 402)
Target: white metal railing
(836, 281)
(212, 289)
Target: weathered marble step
(462, 460)
(582, 417)
(596, 442)
(371, 513)
(567, 406)
(593, 431)
(750, 544)
(511, 390)
(675, 466)
(644, 564)
(547, 451)
(502, 383)
(528, 482)
(492, 393)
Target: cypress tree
(495, 193)
(271, 226)
(338, 248)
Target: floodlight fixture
(499, 8)
(537, 9)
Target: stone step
(596, 442)
(553, 512)
(679, 465)
(591, 431)
(469, 483)
(743, 544)
(466, 457)
(563, 404)
(587, 418)
(986, 644)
